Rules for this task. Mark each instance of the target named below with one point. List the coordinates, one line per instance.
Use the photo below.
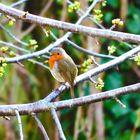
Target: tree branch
(68, 26)
(44, 105)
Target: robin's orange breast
(54, 58)
(53, 63)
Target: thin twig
(41, 126)
(14, 46)
(89, 52)
(53, 35)
(45, 31)
(18, 3)
(14, 37)
(19, 125)
(58, 125)
(94, 61)
(87, 11)
(92, 80)
(119, 101)
(19, 41)
(24, 50)
(28, 30)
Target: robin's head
(56, 54)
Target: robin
(63, 68)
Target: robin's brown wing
(68, 70)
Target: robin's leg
(63, 84)
(60, 86)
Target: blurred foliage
(32, 82)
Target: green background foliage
(32, 82)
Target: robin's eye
(58, 53)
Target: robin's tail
(72, 91)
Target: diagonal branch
(68, 26)
(41, 126)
